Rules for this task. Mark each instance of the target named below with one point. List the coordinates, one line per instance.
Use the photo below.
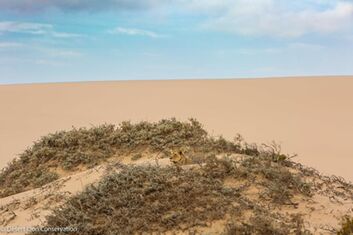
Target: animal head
(176, 156)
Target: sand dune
(309, 116)
(321, 212)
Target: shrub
(89, 147)
(346, 226)
(145, 200)
(154, 200)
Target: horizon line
(178, 79)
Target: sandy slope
(321, 213)
(309, 116)
(29, 209)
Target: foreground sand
(322, 213)
(309, 116)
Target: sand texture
(321, 213)
(309, 116)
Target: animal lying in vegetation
(178, 158)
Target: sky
(93, 40)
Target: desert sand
(310, 116)
(322, 212)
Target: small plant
(346, 226)
(263, 224)
(136, 157)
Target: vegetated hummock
(230, 187)
(155, 199)
(84, 148)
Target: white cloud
(76, 5)
(65, 35)
(305, 46)
(24, 27)
(33, 28)
(10, 44)
(135, 32)
(48, 63)
(276, 17)
(256, 51)
(63, 53)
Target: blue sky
(89, 40)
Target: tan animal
(179, 158)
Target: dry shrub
(263, 224)
(346, 226)
(280, 184)
(146, 199)
(89, 147)
(153, 199)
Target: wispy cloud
(63, 53)
(256, 51)
(65, 35)
(34, 29)
(48, 63)
(135, 32)
(10, 45)
(277, 18)
(25, 27)
(77, 5)
(305, 46)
